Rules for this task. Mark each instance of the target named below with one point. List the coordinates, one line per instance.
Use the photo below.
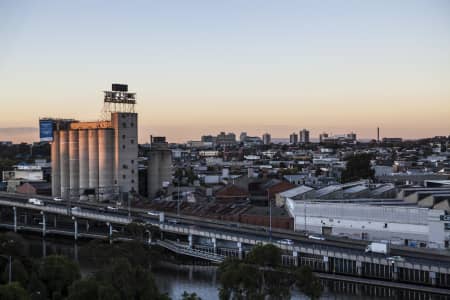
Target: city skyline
(208, 67)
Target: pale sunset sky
(200, 67)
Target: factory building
(417, 217)
(159, 166)
(97, 160)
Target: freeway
(331, 243)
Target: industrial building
(417, 217)
(159, 166)
(22, 174)
(96, 160)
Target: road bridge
(211, 240)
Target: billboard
(46, 130)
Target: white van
(35, 201)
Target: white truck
(377, 247)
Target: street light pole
(9, 258)
(178, 198)
(270, 215)
(304, 212)
(10, 270)
(129, 202)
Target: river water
(204, 280)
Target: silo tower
(119, 105)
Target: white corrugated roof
(296, 191)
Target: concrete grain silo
(96, 160)
(64, 163)
(93, 158)
(159, 165)
(106, 162)
(83, 137)
(56, 172)
(74, 164)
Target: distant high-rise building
(266, 138)
(243, 136)
(323, 136)
(159, 165)
(378, 134)
(304, 136)
(351, 136)
(293, 138)
(208, 139)
(226, 139)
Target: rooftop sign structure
(118, 99)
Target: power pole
(270, 215)
(10, 270)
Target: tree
(307, 282)
(357, 167)
(239, 281)
(84, 289)
(18, 272)
(190, 296)
(136, 230)
(256, 277)
(13, 291)
(130, 282)
(265, 255)
(277, 284)
(57, 273)
(99, 253)
(107, 292)
(36, 288)
(12, 244)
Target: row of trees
(123, 273)
(261, 274)
(358, 167)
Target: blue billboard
(46, 130)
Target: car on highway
(76, 208)
(285, 242)
(395, 258)
(172, 221)
(153, 213)
(57, 199)
(36, 201)
(316, 237)
(112, 208)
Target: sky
(201, 67)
